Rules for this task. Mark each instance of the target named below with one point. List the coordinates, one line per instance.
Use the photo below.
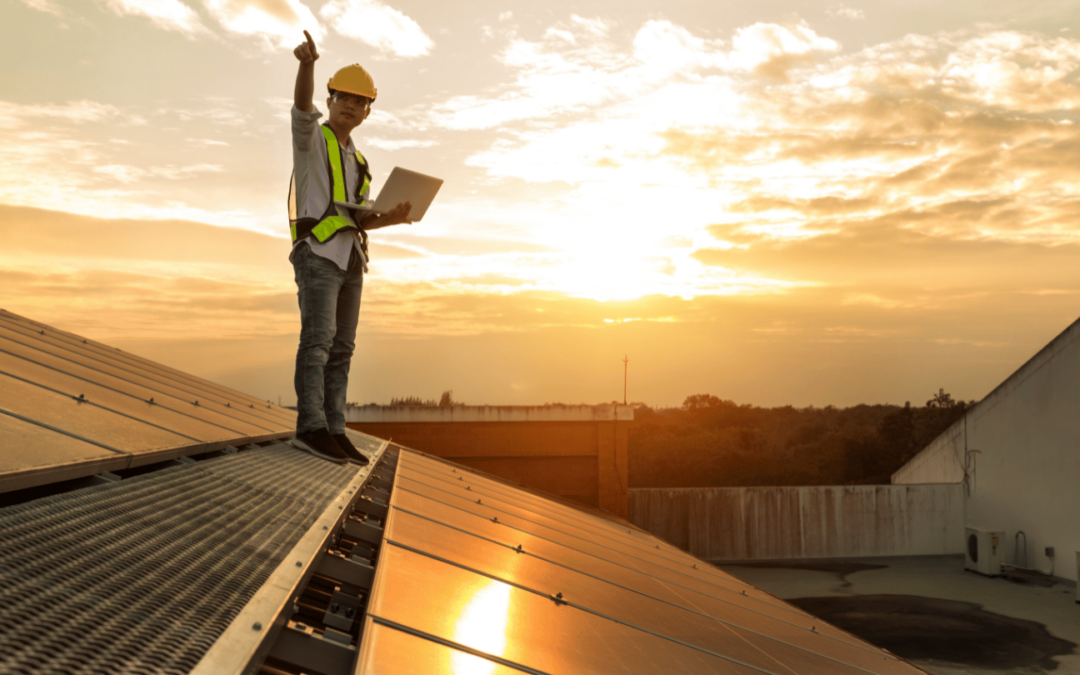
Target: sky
(771, 201)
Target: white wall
(1027, 470)
(1023, 445)
(804, 522)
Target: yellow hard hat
(353, 80)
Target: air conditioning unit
(983, 551)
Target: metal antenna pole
(625, 365)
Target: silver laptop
(403, 186)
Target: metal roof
(72, 407)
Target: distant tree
(698, 401)
(897, 434)
(447, 399)
(411, 401)
(942, 400)
(939, 414)
(705, 402)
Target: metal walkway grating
(143, 575)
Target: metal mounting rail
(308, 615)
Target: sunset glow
(799, 203)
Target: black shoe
(321, 444)
(345, 444)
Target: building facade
(1017, 454)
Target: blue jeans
(329, 312)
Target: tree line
(712, 442)
(445, 401)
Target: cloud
(841, 11)
(378, 25)
(596, 26)
(47, 6)
(1012, 69)
(663, 46)
(390, 144)
(772, 50)
(15, 115)
(173, 172)
(165, 14)
(554, 77)
(207, 142)
(122, 173)
(218, 112)
(281, 22)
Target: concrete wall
(804, 522)
(577, 452)
(1022, 444)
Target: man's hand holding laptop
(395, 216)
(404, 198)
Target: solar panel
(389, 651)
(491, 507)
(463, 607)
(71, 407)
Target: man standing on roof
(329, 253)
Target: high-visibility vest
(335, 218)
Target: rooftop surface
(931, 612)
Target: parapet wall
(384, 414)
(769, 523)
(576, 452)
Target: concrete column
(612, 471)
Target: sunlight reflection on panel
(481, 625)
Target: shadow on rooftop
(932, 629)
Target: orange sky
(773, 202)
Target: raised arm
(307, 55)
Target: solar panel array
(473, 575)
(72, 407)
(476, 576)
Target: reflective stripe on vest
(329, 225)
